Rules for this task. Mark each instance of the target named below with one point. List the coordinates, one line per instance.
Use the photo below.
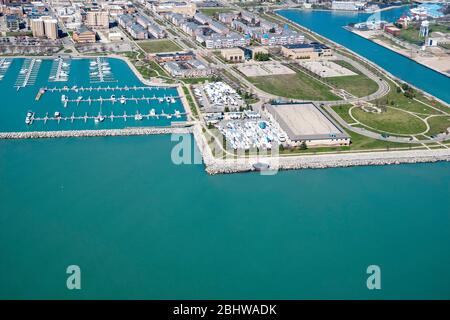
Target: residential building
(97, 18)
(12, 22)
(45, 26)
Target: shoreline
(398, 50)
(215, 166)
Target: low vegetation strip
(157, 46)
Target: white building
(348, 5)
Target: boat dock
(60, 70)
(28, 73)
(101, 117)
(4, 66)
(100, 88)
(121, 100)
(100, 70)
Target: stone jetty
(138, 131)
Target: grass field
(157, 46)
(358, 85)
(294, 86)
(398, 99)
(342, 111)
(438, 125)
(390, 121)
(211, 11)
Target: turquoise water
(329, 24)
(15, 104)
(141, 227)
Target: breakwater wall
(219, 166)
(96, 133)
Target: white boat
(138, 117)
(177, 114)
(99, 118)
(29, 114)
(122, 99)
(113, 97)
(152, 112)
(172, 100)
(160, 99)
(57, 114)
(27, 120)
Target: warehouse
(305, 122)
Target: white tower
(424, 28)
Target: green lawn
(157, 46)
(358, 85)
(342, 111)
(438, 125)
(391, 121)
(190, 101)
(398, 99)
(294, 86)
(212, 11)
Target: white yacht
(122, 100)
(138, 117)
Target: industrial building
(307, 123)
(313, 50)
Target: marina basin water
(15, 104)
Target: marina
(60, 70)
(58, 117)
(122, 99)
(76, 104)
(28, 73)
(100, 88)
(100, 71)
(4, 66)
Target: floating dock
(100, 70)
(28, 73)
(120, 100)
(4, 66)
(100, 88)
(60, 70)
(101, 117)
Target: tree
(303, 146)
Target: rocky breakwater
(217, 166)
(95, 133)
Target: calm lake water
(141, 227)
